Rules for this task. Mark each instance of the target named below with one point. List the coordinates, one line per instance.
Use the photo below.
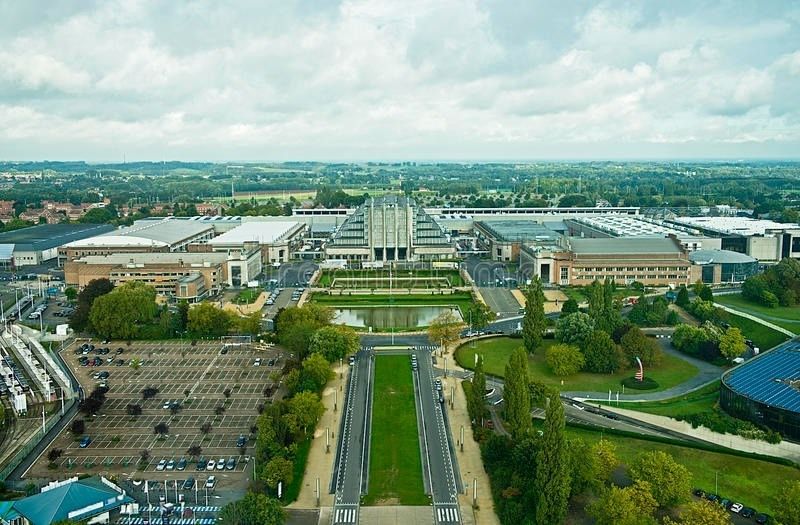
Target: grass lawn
(749, 481)
(248, 296)
(453, 276)
(702, 400)
(790, 315)
(460, 299)
(762, 336)
(395, 469)
(497, 350)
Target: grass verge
(750, 481)
(784, 316)
(298, 471)
(497, 350)
(762, 336)
(462, 300)
(395, 469)
(702, 400)
(452, 276)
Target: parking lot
(206, 383)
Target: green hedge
(647, 383)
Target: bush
(718, 421)
(645, 384)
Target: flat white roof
(634, 226)
(256, 231)
(115, 241)
(736, 225)
(187, 258)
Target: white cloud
(378, 79)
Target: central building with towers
(390, 229)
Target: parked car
(161, 465)
(761, 519)
(211, 482)
(736, 508)
(747, 512)
(188, 484)
(211, 464)
(201, 464)
(221, 464)
(230, 464)
(181, 464)
(85, 442)
(171, 464)
(241, 441)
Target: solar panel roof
(772, 378)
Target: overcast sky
(402, 79)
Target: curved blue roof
(773, 378)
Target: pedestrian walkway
(759, 320)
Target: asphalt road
(438, 453)
(351, 470)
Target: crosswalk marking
(345, 515)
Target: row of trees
(708, 341)
(779, 285)
(130, 311)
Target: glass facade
(784, 421)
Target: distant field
(784, 316)
(496, 352)
(751, 482)
(395, 468)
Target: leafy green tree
(534, 322)
(671, 481)
(206, 320)
(477, 404)
(564, 360)
(703, 292)
(120, 313)
(574, 328)
(636, 344)
(295, 326)
(445, 329)
(570, 306)
(701, 512)
(601, 353)
(787, 503)
(253, 509)
(182, 316)
(316, 372)
(516, 394)
(97, 216)
(94, 289)
(731, 344)
(71, 293)
(552, 481)
(334, 342)
(603, 456)
(304, 410)
(632, 505)
(276, 470)
(249, 324)
(682, 299)
(479, 315)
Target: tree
(119, 313)
(552, 481)
(516, 394)
(305, 409)
(78, 426)
(476, 401)
(479, 315)
(253, 509)
(206, 320)
(94, 289)
(249, 324)
(54, 454)
(161, 429)
(182, 316)
(316, 371)
(682, 299)
(71, 293)
(633, 505)
(564, 360)
(601, 354)
(194, 450)
(334, 342)
(636, 344)
(570, 306)
(445, 329)
(205, 428)
(97, 216)
(134, 409)
(701, 512)
(731, 344)
(574, 328)
(149, 392)
(278, 469)
(295, 326)
(603, 456)
(671, 481)
(703, 292)
(787, 503)
(144, 455)
(534, 322)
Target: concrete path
(756, 319)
